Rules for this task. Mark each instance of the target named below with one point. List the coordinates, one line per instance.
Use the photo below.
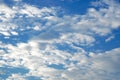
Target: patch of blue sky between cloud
(105, 43)
(79, 6)
(41, 49)
(7, 71)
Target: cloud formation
(42, 54)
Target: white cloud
(14, 33)
(100, 21)
(32, 11)
(41, 50)
(15, 76)
(109, 59)
(5, 33)
(6, 12)
(13, 18)
(32, 57)
(101, 66)
(110, 38)
(78, 39)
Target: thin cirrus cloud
(55, 47)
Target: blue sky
(59, 39)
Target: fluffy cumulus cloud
(41, 44)
(51, 63)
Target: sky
(59, 39)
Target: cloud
(109, 38)
(101, 66)
(27, 17)
(15, 76)
(84, 66)
(47, 30)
